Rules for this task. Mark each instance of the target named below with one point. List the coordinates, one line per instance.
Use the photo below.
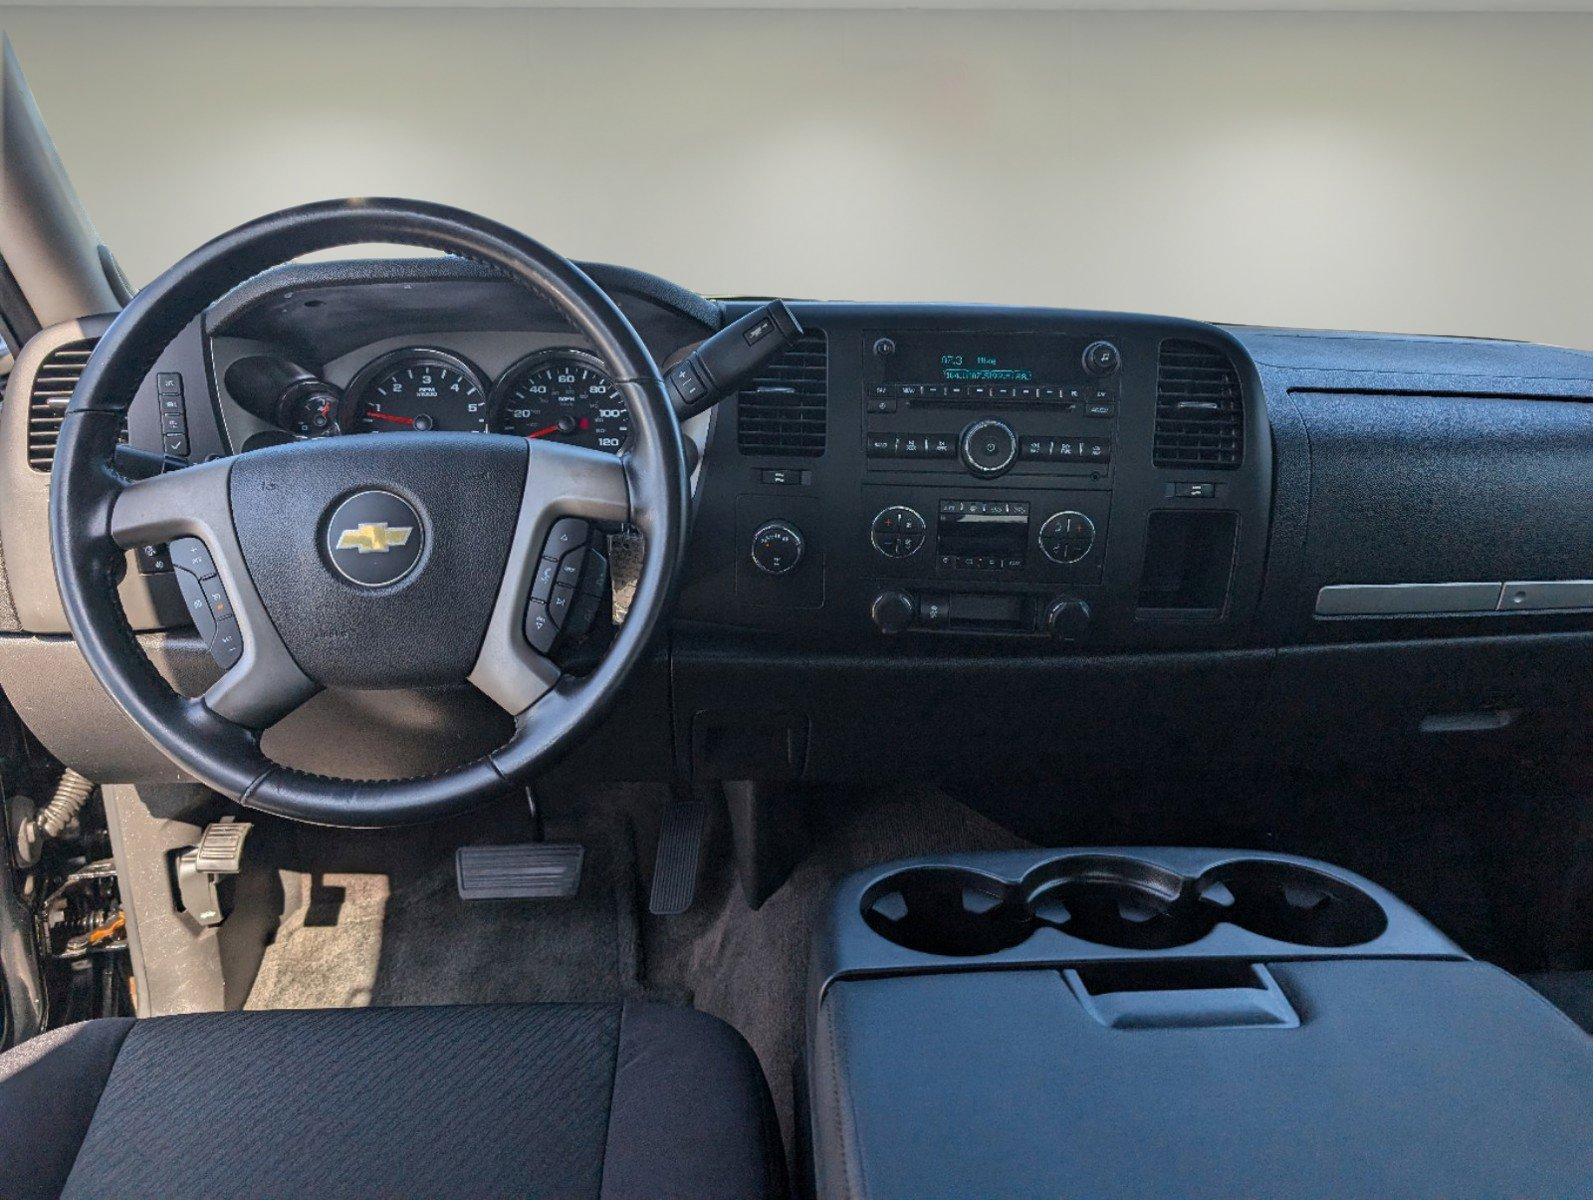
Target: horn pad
(379, 556)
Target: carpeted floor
(376, 918)
(749, 967)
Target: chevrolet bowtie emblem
(374, 537)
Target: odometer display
(418, 390)
(564, 395)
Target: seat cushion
(558, 1100)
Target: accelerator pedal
(523, 871)
(679, 853)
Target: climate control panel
(1049, 537)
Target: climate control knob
(898, 531)
(777, 547)
(893, 611)
(1066, 537)
(988, 447)
(1067, 619)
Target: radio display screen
(982, 358)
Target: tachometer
(418, 390)
(565, 395)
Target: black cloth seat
(557, 1101)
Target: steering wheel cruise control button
(198, 606)
(189, 554)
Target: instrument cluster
(562, 394)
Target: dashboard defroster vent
(1199, 408)
(52, 388)
(782, 411)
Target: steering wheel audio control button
(567, 533)
(547, 574)
(189, 554)
(559, 603)
(540, 630)
(226, 646)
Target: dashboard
(932, 538)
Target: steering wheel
(284, 530)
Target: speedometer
(564, 395)
(418, 390)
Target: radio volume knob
(777, 547)
(893, 611)
(1102, 358)
(989, 447)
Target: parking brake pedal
(201, 868)
(524, 871)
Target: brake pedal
(524, 871)
(679, 852)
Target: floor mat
(1569, 991)
(748, 967)
(376, 918)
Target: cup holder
(1288, 902)
(947, 910)
(1119, 902)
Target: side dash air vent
(52, 388)
(1199, 408)
(781, 411)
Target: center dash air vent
(781, 411)
(52, 388)
(1199, 408)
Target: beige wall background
(1404, 172)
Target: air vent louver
(781, 412)
(1199, 408)
(52, 388)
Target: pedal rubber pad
(679, 852)
(525, 871)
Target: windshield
(1351, 170)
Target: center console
(1168, 1022)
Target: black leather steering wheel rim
(87, 493)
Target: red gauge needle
(390, 418)
(543, 432)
